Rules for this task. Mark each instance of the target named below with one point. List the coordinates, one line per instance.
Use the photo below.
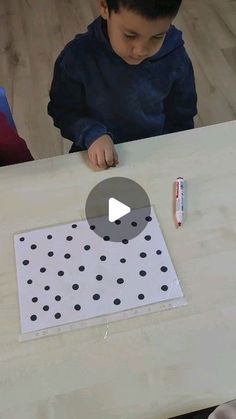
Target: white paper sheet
(62, 277)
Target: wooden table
(149, 367)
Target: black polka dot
(142, 273)
(148, 219)
(77, 307)
(47, 288)
(99, 277)
(96, 297)
(117, 222)
(141, 297)
(45, 308)
(25, 262)
(74, 226)
(33, 318)
(29, 281)
(42, 270)
(60, 273)
(122, 260)
(158, 252)
(87, 247)
(92, 227)
(103, 258)
(58, 298)
(34, 299)
(67, 256)
(134, 224)
(50, 254)
(57, 315)
(106, 238)
(164, 288)
(148, 238)
(81, 268)
(69, 238)
(75, 287)
(120, 281)
(117, 301)
(125, 241)
(164, 269)
(22, 239)
(49, 237)
(143, 254)
(33, 246)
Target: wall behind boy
(32, 33)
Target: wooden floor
(33, 32)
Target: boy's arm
(67, 107)
(181, 103)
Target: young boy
(129, 77)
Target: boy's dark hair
(150, 9)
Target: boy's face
(132, 36)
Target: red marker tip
(179, 224)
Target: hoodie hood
(97, 31)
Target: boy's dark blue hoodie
(95, 92)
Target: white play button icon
(117, 210)
(111, 209)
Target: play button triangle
(117, 210)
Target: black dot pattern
(25, 262)
(33, 318)
(47, 292)
(60, 273)
(120, 281)
(143, 254)
(142, 273)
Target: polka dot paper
(66, 273)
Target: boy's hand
(102, 153)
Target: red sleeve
(13, 149)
